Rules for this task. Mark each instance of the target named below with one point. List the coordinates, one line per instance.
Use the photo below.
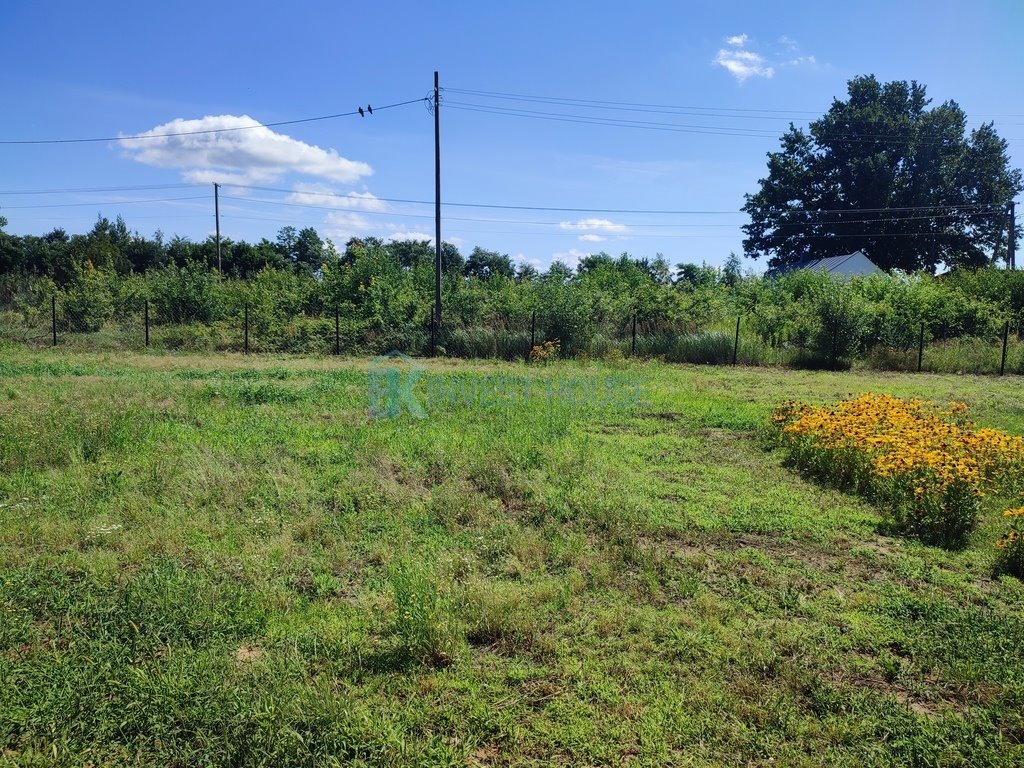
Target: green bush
(87, 303)
(186, 294)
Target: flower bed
(925, 464)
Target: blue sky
(735, 73)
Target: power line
(352, 196)
(207, 131)
(964, 209)
(584, 102)
(67, 191)
(712, 130)
(575, 230)
(557, 99)
(110, 202)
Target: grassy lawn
(226, 561)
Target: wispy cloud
(343, 226)
(571, 257)
(740, 62)
(596, 225)
(741, 59)
(254, 155)
(591, 238)
(412, 236)
(324, 196)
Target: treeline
(301, 294)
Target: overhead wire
(576, 228)
(762, 133)
(641, 105)
(107, 202)
(150, 135)
(356, 196)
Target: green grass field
(218, 560)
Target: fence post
(245, 348)
(53, 314)
(337, 331)
(736, 343)
(632, 344)
(920, 348)
(1006, 340)
(145, 315)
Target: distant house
(855, 264)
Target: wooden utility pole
(437, 209)
(216, 215)
(1011, 245)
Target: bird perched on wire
(369, 109)
(361, 114)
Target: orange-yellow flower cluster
(927, 462)
(910, 438)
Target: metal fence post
(736, 342)
(53, 314)
(145, 307)
(1006, 340)
(632, 343)
(245, 348)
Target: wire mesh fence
(67, 321)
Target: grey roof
(848, 265)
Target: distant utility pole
(437, 207)
(1011, 246)
(216, 213)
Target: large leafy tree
(884, 173)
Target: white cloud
(742, 61)
(591, 239)
(800, 61)
(600, 225)
(411, 236)
(571, 257)
(348, 221)
(344, 226)
(323, 195)
(254, 155)
(743, 64)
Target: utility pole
(216, 213)
(437, 207)
(1011, 245)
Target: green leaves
(881, 172)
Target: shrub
(1010, 546)
(840, 322)
(87, 303)
(546, 351)
(186, 294)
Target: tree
(882, 173)
(487, 264)
(310, 252)
(9, 257)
